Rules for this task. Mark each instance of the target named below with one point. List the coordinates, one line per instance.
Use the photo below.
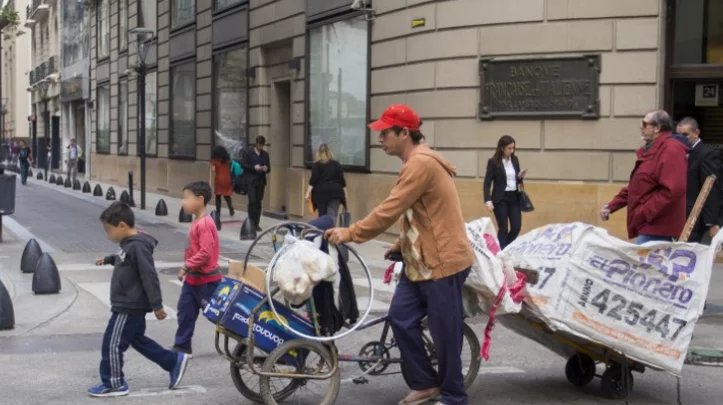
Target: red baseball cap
(397, 115)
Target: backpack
(240, 185)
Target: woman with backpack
(222, 173)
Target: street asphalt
(52, 355)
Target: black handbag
(525, 202)
(241, 184)
(344, 222)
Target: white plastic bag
(300, 267)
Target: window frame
(123, 29)
(183, 62)
(178, 26)
(153, 70)
(226, 8)
(98, 36)
(123, 123)
(308, 154)
(244, 45)
(98, 87)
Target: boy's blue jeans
(129, 330)
(24, 168)
(193, 298)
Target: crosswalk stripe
(500, 370)
(377, 306)
(156, 392)
(377, 283)
(101, 291)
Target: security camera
(359, 5)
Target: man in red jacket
(655, 195)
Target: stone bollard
(39, 176)
(248, 230)
(183, 217)
(31, 254)
(46, 279)
(59, 181)
(125, 197)
(98, 191)
(86, 187)
(68, 183)
(51, 179)
(76, 185)
(161, 208)
(110, 194)
(7, 312)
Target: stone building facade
(15, 65)
(306, 72)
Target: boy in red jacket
(200, 273)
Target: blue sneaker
(179, 370)
(100, 391)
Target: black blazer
(248, 162)
(703, 161)
(496, 175)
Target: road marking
(157, 392)
(377, 283)
(24, 234)
(101, 291)
(500, 370)
(92, 266)
(377, 306)
(176, 282)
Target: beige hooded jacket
(433, 239)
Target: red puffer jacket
(655, 195)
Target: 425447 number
(633, 313)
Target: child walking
(134, 291)
(200, 273)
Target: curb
(702, 356)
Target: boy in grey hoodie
(134, 292)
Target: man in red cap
(437, 256)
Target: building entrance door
(280, 146)
(700, 99)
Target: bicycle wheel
(248, 384)
(470, 350)
(276, 363)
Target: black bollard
(86, 187)
(98, 191)
(125, 198)
(7, 313)
(39, 176)
(68, 183)
(130, 189)
(248, 230)
(76, 184)
(31, 254)
(216, 219)
(52, 178)
(110, 194)
(59, 181)
(161, 208)
(183, 217)
(46, 279)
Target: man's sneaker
(179, 370)
(101, 391)
(180, 349)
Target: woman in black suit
(503, 170)
(327, 186)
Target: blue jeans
(641, 239)
(193, 298)
(24, 168)
(441, 302)
(129, 330)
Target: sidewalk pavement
(372, 252)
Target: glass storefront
(102, 140)
(230, 100)
(183, 110)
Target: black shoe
(232, 212)
(258, 229)
(179, 349)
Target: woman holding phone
(503, 179)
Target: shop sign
(540, 87)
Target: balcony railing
(34, 7)
(31, 77)
(52, 65)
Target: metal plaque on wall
(540, 87)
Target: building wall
(16, 63)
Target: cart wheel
(316, 360)
(470, 370)
(371, 349)
(613, 384)
(248, 384)
(580, 369)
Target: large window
(147, 14)
(183, 110)
(74, 33)
(182, 12)
(221, 4)
(151, 116)
(123, 24)
(102, 137)
(339, 60)
(103, 40)
(698, 32)
(123, 117)
(229, 69)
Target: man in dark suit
(703, 161)
(257, 165)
